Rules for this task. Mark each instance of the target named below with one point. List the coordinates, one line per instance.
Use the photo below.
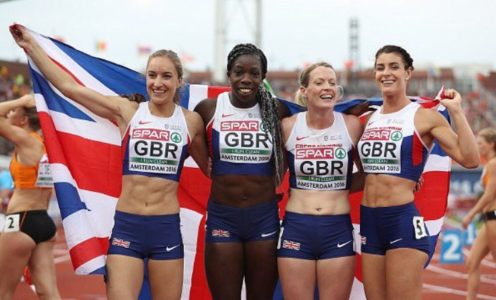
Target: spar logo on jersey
(380, 149)
(155, 150)
(396, 136)
(243, 141)
(382, 134)
(242, 126)
(151, 134)
(176, 137)
(321, 167)
(320, 152)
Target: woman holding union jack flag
(394, 148)
(157, 136)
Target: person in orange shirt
(29, 233)
(486, 237)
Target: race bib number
(12, 223)
(419, 227)
(244, 141)
(380, 149)
(155, 151)
(44, 178)
(322, 167)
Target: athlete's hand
(419, 184)
(359, 109)
(451, 99)
(21, 36)
(28, 101)
(466, 221)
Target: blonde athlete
(316, 246)
(157, 137)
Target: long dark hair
(268, 105)
(407, 59)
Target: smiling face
(245, 76)
(391, 74)
(162, 80)
(322, 89)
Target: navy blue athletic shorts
(385, 228)
(232, 224)
(316, 237)
(154, 237)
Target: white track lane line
(457, 274)
(446, 290)
(486, 262)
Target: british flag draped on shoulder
(85, 155)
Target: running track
(445, 282)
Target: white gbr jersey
(237, 140)
(390, 144)
(320, 159)
(156, 146)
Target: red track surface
(446, 282)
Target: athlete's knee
(47, 292)
(472, 264)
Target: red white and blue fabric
(84, 151)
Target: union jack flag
(120, 243)
(84, 151)
(291, 245)
(220, 233)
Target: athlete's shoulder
(206, 109)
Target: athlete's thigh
(224, 267)
(261, 269)
(166, 278)
(124, 276)
(374, 276)
(335, 277)
(298, 277)
(42, 269)
(404, 267)
(15, 250)
(491, 236)
(478, 250)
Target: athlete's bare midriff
(143, 195)
(386, 190)
(29, 199)
(242, 190)
(318, 202)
